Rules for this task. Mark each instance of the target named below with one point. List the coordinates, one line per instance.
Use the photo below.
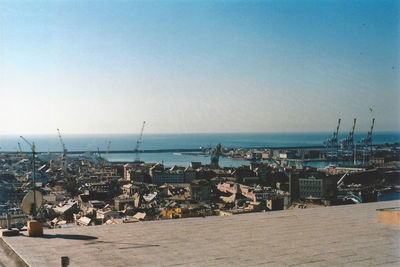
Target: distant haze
(198, 66)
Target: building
(174, 175)
(121, 201)
(156, 173)
(200, 190)
(189, 174)
(311, 188)
(317, 188)
(135, 175)
(195, 164)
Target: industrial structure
(346, 150)
(64, 153)
(365, 144)
(331, 145)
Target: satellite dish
(28, 202)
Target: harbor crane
(138, 142)
(64, 153)
(366, 143)
(337, 131)
(332, 143)
(347, 144)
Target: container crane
(347, 144)
(351, 134)
(332, 143)
(337, 131)
(64, 153)
(366, 143)
(138, 142)
(369, 137)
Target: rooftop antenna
(34, 205)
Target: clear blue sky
(198, 66)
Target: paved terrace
(341, 236)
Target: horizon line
(194, 133)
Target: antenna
(34, 206)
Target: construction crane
(20, 152)
(138, 142)
(32, 146)
(332, 143)
(105, 156)
(64, 154)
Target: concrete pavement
(329, 236)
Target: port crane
(366, 143)
(138, 142)
(332, 143)
(347, 144)
(64, 153)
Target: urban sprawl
(85, 190)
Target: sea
(93, 143)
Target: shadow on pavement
(75, 237)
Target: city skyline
(100, 67)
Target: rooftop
(339, 235)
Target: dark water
(46, 143)
(391, 195)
